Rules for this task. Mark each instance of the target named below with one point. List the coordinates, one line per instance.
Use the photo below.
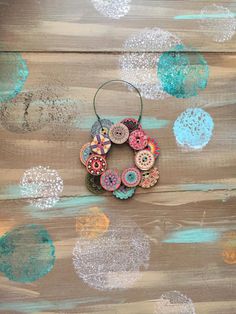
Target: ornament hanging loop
(119, 81)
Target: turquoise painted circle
(14, 72)
(26, 253)
(193, 128)
(182, 74)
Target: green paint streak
(204, 16)
(207, 186)
(197, 235)
(10, 192)
(35, 307)
(148, 123)
(66, 207)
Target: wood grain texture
(72, 25)
(196, 189)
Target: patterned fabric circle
(149, 178)
(132, 124)
(124, 192)
(100, 144)
(101, 128)
(110, 180)
(131, 177)
(85, 152)
(144, 159)
(153, 147)
(138, 140)
(119, 133)
(96, 165)
(93, 184)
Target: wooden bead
(144, 159)
(119, 133)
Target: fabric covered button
(131, 177)
(149, 178)
(153, 147)
(138, 140)
(132, 124)
(101, 127)
(96, 165)
(124, 192)
(110, 180)
(119, 133)
(100, 144)
(85, 152)
(93, 184)
(144, 159)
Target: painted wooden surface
(197, 189)
(74, 25)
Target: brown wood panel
(196, 189)
(72, 25)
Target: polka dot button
(131, 177)
(144, 159)
(93, 184)
(85, 152)
(149, 178)
(138, 140)
(132, 124)
(96, 165)
(100, 144)
(110, 180)
(119, 133)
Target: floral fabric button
(149, 178)
(138, 140)
(119, 133)
(110, 180)
(101, 127)
(85, 152)
(144, 159)
(131, 177)
(93, 184)
(100, 144)
(96, 165)
(124, 192)
(153, 147)
(132, 124)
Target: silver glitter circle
(139, 64)
(113, 9)
(174, 302)
(217, 22)
(114, 260)
(42, 186)
(97, 129)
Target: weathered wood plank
(76, 26)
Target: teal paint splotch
(204, 16)
(66, 207)
(27, 253)
(182, 73)
(193, 128)
(198, 235)
(148, 123)
(14, 72)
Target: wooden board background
(195, 189)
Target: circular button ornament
(102, 127)
(149, 178)
(100, 144)
(119, 133)
(144, 160)
(138, 140)
(132, 124)
(96, 165)
(93, 184)
(124, 192)
(131, 177)
(85, 153)
(110, 180)
(153, 147)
